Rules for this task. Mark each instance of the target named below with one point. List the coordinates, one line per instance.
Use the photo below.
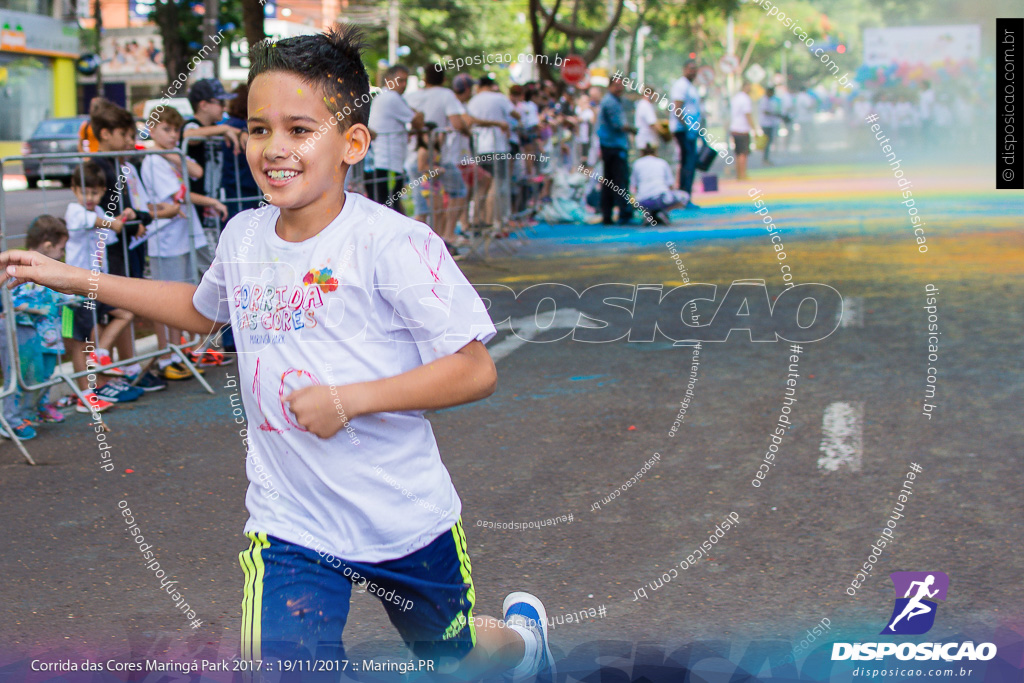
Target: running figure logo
(914, 613)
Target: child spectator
(209, 103)
(242, 184)
(422, 170)
(208, 99)
(87, 141)
(115, 130)
(654, 185)
(90, 331)
(322, 512)
(36, 314)
(170, 255)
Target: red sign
(573, 69)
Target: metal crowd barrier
(498, 199)
(7, 236)
(10, 385)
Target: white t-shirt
(86, 247)
(529, 115)
(437, 104)
(643, 119)
(389, 114)
(490, 106)
(164, 182)
(355, 303)
(586, 117)
(740, 107)
(684, 91)
(652, 177)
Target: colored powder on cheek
(299, 91)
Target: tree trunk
(542, 21)
(252, 21)
(166, 16)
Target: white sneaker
(527, 611)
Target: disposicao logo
(914, 614)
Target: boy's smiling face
(284, 112)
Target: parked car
(52, 136)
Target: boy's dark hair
(94, 176)
(110, 118)
(434, 75)
(172, 117)
(329, 61)
(45, 228)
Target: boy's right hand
(17, 267)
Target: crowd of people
(474, 159)
(129, 217)
(474, 156)
(457, 153)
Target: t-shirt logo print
(914, 612)
(321, 278)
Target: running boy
(346, 333)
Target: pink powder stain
(425, 260)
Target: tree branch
(602, 39)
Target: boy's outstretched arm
(166, 302)
(465, 376)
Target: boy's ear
(104, 134)
(358, 139)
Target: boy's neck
(205, 119)
(299, 225)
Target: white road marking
(853, 312)
(527, 328)
(842, 437)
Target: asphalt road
(573, 421)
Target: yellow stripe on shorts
(252, 595)
(467, 574)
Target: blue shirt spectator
(611, 123)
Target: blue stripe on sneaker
(524, 609)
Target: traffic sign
(729, 63)
(756, 73)
(705, 76)
(573, 69)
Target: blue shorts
(295, 600)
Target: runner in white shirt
(347, 333)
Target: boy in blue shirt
(347, 330)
